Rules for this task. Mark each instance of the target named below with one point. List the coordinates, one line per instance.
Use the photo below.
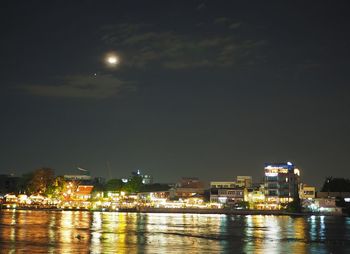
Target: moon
(112, 60)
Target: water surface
(113, 232)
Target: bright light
(222, 199)
(112, 60)
(271, 174)
(297, 171)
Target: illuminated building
(146, 179)
(281, 183)
(244, 181)
(227, 192)
(79, 178)
(187, 187)
(222, 184)
(326, 206)
(189, 182)
(228, 196)
(83, 192)
(256, 198)
(307, 192)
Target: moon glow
(112, 60)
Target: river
(112, 232)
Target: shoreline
(224, 211)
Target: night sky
(211, 89)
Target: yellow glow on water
(66, 235)
(117, 232)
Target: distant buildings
(281, 184)
(80, 178)
(187, 187)
(230, 193)
(83, 192)
(244, 181)
(307, 192)
(9, 184)
(228, 196)
(218, 185)
(146, 179)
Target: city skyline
(186, 88)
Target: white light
(222, 199)
(271, 174)
(112, 60)
(297, 171)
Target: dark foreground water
(107, 232)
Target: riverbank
(225, 211)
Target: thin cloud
(201, 6)
(142, 46)
(221, 20)
(227, 22)
(80, 86)
(235, 25)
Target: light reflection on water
(109, 232)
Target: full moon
(112, 60)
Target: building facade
(227, 193)
(187, 187)
(244, 181)
(307, 192)
(222, 184)
(281, 184)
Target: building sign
(275, 170)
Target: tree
(133, 185)
(24, 182)
(114, 185)
(41, 181)
(154, 187)
(57, 188)
(295, 205)
(336, 185)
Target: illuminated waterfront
(112, 232)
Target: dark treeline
(336, 185)
(43, 181)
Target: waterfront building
(83, 192)
(256, 198)
(244, 181)
(327, 206)
(307, 192)
(228, 196)
(78, 178)
(222, 184)
(331, 194)
(281, 184)
(153, 195)
(227, 193)
(189, 182)
(187, 187)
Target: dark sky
(204, 88)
